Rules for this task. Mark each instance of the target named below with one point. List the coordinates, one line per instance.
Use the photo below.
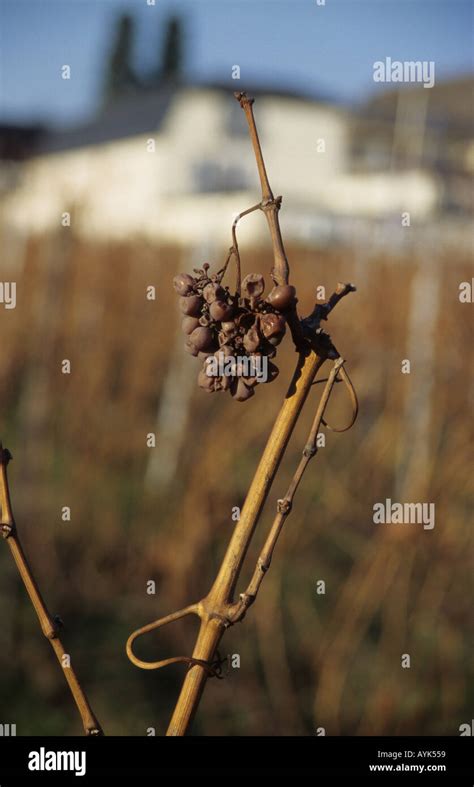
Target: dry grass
(80, 440)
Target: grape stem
(234, 250)
(50, 626)
(269, 204)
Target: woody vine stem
(219, 610)
(50, 626)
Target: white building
(177, 165)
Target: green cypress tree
(120, 75)
(171, 59)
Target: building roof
(133, 114)
(139, 112)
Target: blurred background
(123, 160)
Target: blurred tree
(120, 75)
(171, 57)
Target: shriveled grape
(201, 338)
(191, 305)
(282, 297)
(183, 283)
(220, 311)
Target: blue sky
(286, 43)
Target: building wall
(202, 172)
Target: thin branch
(247, 105)
(193, 609)
(321, 311)
(354, 402)
(270, 205)
(49, 626)
(234, 249)
(285, 505)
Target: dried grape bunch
(235, 335)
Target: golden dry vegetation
(79, 440)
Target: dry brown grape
(273, 327)
(223, 383)
(220, 311)
(201, 338)
(189, 347)
(282, 297)
(253, 285)
(213, 292)
(252, 339)
(183, 283)
(204, 381)
(240, 391)
(272, 324)
(191, 305)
